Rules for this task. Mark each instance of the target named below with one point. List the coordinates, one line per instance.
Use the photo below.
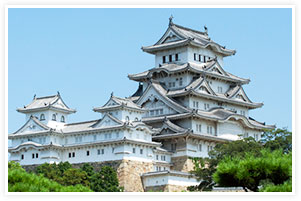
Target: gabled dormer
(50, 110)
(122, 109)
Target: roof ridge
(43, 97)
(81, 122)
(190, 29)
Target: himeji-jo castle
(183, 107)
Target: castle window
(32, 155)
(102, 151)
(157, 157)
(220, 89)
(63, 119)
(113, 149)
(54, 117)
(200, 147)
(181, 81)
(88, 153)
(94, 137)
(204, 58)
(127, 118)
(200, 57)
(164, 59)
(42, 117)
(141, 151)
(194, 55)
(69, 155)
(37, 155)
(98, 151)
(73, 154)
(256, 137)
(177, 57)
(170, 58)
(22, 157)
(134, 150)
(136, 119)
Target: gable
(59, 103)
(111, 103)
(241, 96)
(216, 68)
(152, 100)
(30, 126)
(169, 36)
(106, 121)
(204, 87)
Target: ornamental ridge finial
(112, 94)
(34, 96)
(170, 20)
(206, 30)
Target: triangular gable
(151, 97)
(32, 125)
(107, 121)
(60, 104)
(241, 95)
(216, 68)
(204, 87)
(111, 102)
(169, 36)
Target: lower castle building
(183, 107)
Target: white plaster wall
(205, 52)
(214, 84)
(157, 180)
(182, 52)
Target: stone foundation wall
(182, 163)
(128, 172)
(166, 188)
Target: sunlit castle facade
(182, 108)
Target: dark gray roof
(187, 36)
(44, 103)
(214, 114)
(202, 68)
(118, 103)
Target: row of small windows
(209, 148)
(199, 129)
(163, 158)
(134, 151)
(170, 58)
(34, 155)
(173, 84)
(200, 58)
(42, 118)
(158, 168)
(195, 104)
(156, 112)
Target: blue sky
(88, 53)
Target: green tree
(74, 176)
(205, 167)
(86, 167)
(105, 180)
(274, 139)
(252, 170)
(21, 181)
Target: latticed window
(54, 117)
(63, 119)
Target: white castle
(183, 107)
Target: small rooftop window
(54, 117)
(42, 117)
(63, 119)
